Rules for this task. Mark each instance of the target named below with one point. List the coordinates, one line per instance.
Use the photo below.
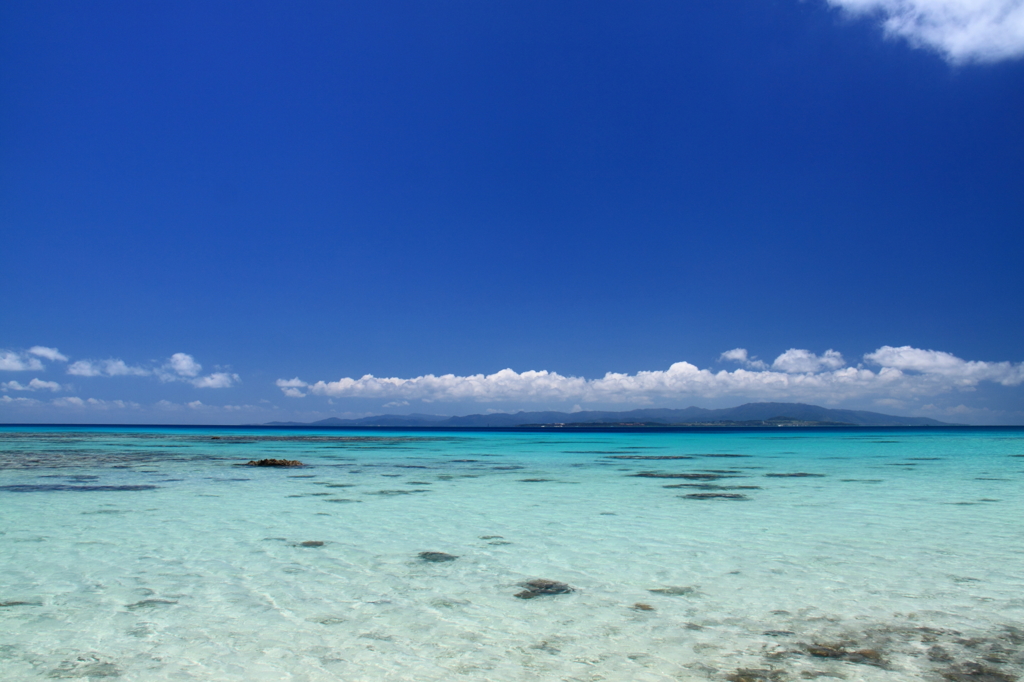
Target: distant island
(749, 415)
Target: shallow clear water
(148, 554)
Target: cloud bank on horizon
(887, 373)
(960, 30)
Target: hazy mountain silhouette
(751, 414)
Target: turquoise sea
(751, 555)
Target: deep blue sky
(326, 190)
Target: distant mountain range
(751, 414)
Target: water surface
(786, 554)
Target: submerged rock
(674, 591)
(975, 672)
(721, 455)
(640, 606)
(691, 477)
(712, 486)
(436, 557)
(273, 463)
(868, 656)
(85, 666)
(755, 675)
(800, 474)
(541, 587)
(650, 457)
(312, 543)
(715, 496)
(149, 604)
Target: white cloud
(939, 363)
(85, 368)
(796, 360)
(93, 403)
(201, 406)
(797, 374)
(49, 353)
(34, 385)
(735, 355)
(8, 400)
(291, 387)
(111, 367)
(960, 30)
(394, 403)
(739, 355)
(215, 380)
(18, 362)
(40, 385)
(184, 365)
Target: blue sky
(233, 212)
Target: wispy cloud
(215, 380)
(960, 30)
(892, 373)
(93, 403)
(23, 402)
(111, 368)
(178, 367)
(51, 354)
(34, 385)
(198, 405)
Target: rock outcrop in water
(541, 588)
(869, 656)
(273, 463)
(436, 557)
